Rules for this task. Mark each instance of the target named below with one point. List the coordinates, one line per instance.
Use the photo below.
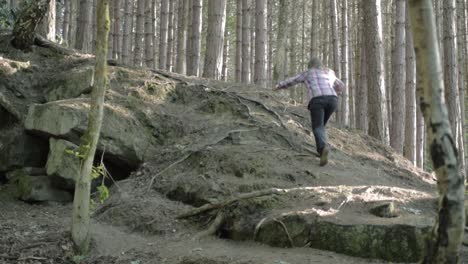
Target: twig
(257, 228)
(167, 168)
(214, 227)
(32, 257)
(7, 257)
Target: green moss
(400, 243)
(24, 186)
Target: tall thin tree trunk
(170, 36)
(279, 67)
(127, 32)
(451, 72)
(74, 9)
(378, 123)
(345, 65)
(84, 26)
(399, 79)
(245, 41)
(224, 71)
(181, 35)
(117, 29)
(410, 94)
(448, 232)
(80, 217)
(270, 42)
(215, 39)
(239, 40)
(188, 37)
(260, 42)
(140, 33)
(164, 20)
(149, 34)
(195, 49)
(66, 21)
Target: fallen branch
(243, 196)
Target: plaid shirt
(319, 82)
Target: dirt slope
(208, 141)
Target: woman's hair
(314, 63)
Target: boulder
(40, 189)
(70, 85)
(63, 164)
(123, 137)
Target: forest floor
(210, 141)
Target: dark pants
(321, 108)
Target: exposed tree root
(213, 228)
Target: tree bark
(80, 218)
(345, 74)
(84, 26)
(170, 36)
(140, 33)
(26, 23)
(117, 29)
(127, 32)
(280, 66)
(239, 40)
(448, 232)
(163, 18)
(245, 41)
(215, 39)
(399, 79)
(410, 94)
(195, 48)
(47, 27)
(260, 42)
(181, 35)
(378, 123)
(66, 21)
(149, 34)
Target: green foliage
(96, 173)
(78, 259)
(103, 193)
(6, 18)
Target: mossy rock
(40, 189)
(399, 243)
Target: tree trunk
(127, 32)
(170, 36)
(245, 41)
(163, 18)
(47, 27)
(410, 94)
(181, 35)
(378, 123)
(239, 40)
(26, 23)
(279, 68)
(117, 29)
(270, 42)
(110, 42)
(260, 42)
(420, 136)
(83, 28)
(149, 34)
(215, 39)
(224, 71)
(344, 118)
(449, 230)
(66, 21)
(74, 9)
(195, 45)
(399, 79)
(140, 33)
(80, 218)
(451, 72)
